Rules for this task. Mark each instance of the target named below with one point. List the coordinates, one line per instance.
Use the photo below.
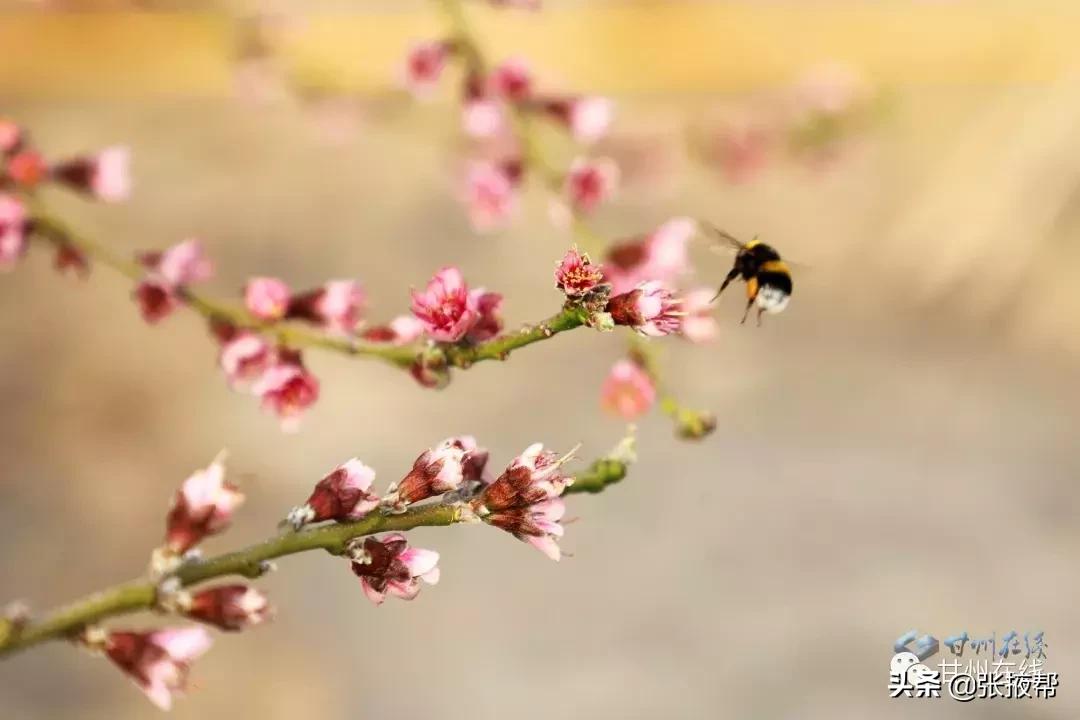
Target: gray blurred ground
(896, 451)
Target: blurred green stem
(251, 562)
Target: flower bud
(388, 566)
(628, 390)
(651, 309)
(203, 506)
(287, 389)
(12, 136)
(157, 661)
(424, 66)
(586, 118)
(167, 271)
(105, 176)
(337, 306)
(512, 80)
(590, 183)
(343, 495)
(266, 298)
(402, 330)
(439, 470)
(491, 194)
(524, 500)
(245, 357)
(13, 226)
(532, 477)
(228, 607)
(489, 321)
(27, 168)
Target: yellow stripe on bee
(751, 288)
(774, 266)
(753, 243)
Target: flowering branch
(251, 562)
(48, 228)
(456, 463)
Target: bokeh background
(896, 451)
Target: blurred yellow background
(896, 451)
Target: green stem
(499, 348)
(601, 473)
(53, 231)
(142, 594)
(251, 562)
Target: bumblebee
(767, 277)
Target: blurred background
(896, 451)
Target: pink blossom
(105, 176)
(402, 330)
(158, 661)
(343, 495)
(530, 478)
(244, 358)
(287, 389)
(27, 168)
(69, 257)
(590, 183)
(11, 136)
(156, 300)
(741, 147)
(482, 117)
(168, 271)
(388, 566)
(439, 470)
(663, 255)
(587, 118)
(267, 298)
(474, 464)
(489, 311)
(337, 306)
(512, 80)
(628, 391)
(525, 500)
(424, 66)
(699, 325)
(491, 194)
(447, 308)
(182, 264)
(13, 225)
(203, 506)
(229, 607)
(576, 275)
(429, 373)
(650, 308)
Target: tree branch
(251, 562)
(51, 230)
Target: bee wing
(725, 240)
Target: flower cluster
(102, 176)
(158, 661)
(523, 500)
(337, 306)
(492, 103)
